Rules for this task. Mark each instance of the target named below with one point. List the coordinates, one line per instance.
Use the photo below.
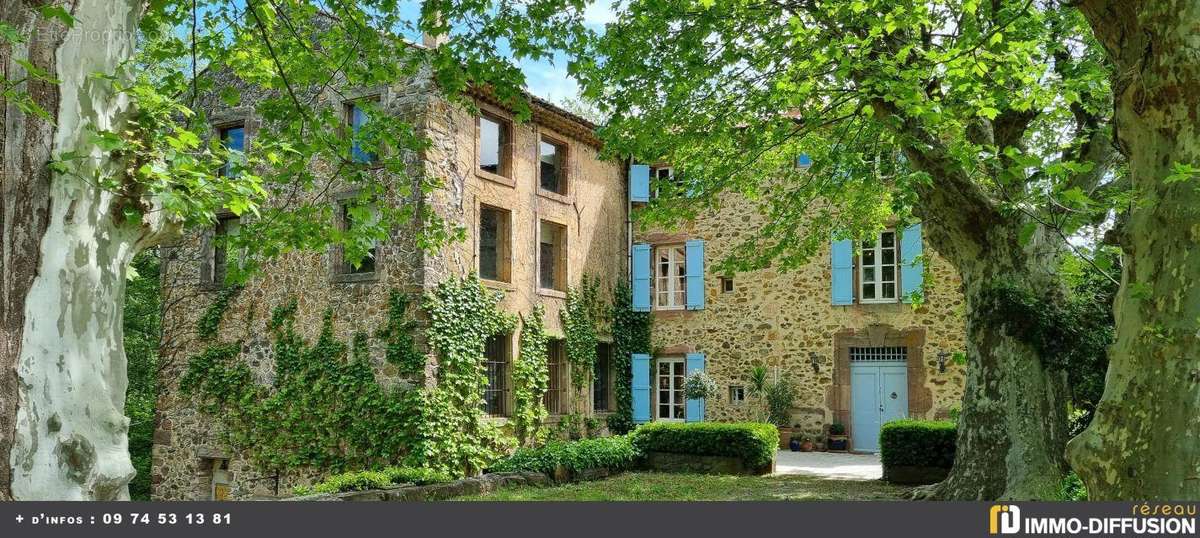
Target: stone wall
(778, 319)
(188, 442)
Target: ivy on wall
(631, 334)
(325, 409)
(452, 434)
(581, 316)
(531, 379)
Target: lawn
(694, 487)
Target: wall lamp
(943, 356)
(815, 360)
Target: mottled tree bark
(67, 246)
(1144, 442)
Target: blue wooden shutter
(641, 387)
(695, 274)
(912, 266)
(639, 183)
(803, 161)
(842, 257)
(695, 407)
(641, 277)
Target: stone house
(541, 211)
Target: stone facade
(786, 322)
(188, 456)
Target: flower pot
(838, 443)
(806, 446)
(794, 445)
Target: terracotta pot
(806, 446)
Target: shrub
(752, 442)
(1072, 488)
(780, 397)
(917, 443)
(837, 429)
(363, 480)
(700, 386)
(616, 453)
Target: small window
(495, 360)
(878, 269)
(670, 277)
(737, 394)
(217, 261)
(495, 136)
(495, 261)
(726, 284)
(356, 119)
(555, 398)
(552, 256)
(552, 160)
(233, 138)
(661, 176)
(348, 222)
(601, 378)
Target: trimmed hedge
(364, 480)
(752, 442)
(616, 453)
(917, 443)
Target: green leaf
(58, 12)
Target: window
(726, 284)
(217, 260)
(877, 272)
(555, 398)
(349, 222)
(875, 354)
(494, 143)
(552, 256)
(356, 119)
(552, 158)
(495, 360)
(737, 394)
(661, 176)
(495, 259)
(601, 379)
(670, 277)
(233, 138)
(670, 399)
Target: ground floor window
(670, 398)
(601, 378)
(556, 393)
(495, 359)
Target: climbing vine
(531, 379)
(452, 433)
(210, 320)
(400, 350)
(325, 408)
(631, 334)
(580, 317)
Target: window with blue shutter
(233, 139)
(639, 183)
(358, 118)
(803, 161)
(641, 277)
(842, 259)
(695, 407)
(640, 365)
(695, 274)
(912, 266)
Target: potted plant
(806, 444)
(796, 442)
(837, 437)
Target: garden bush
(917, 443)
(616, 453)
(752, 442)
(364, 480)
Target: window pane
(489, 233)
(868, 274)
(491, 134)
(889, 273)
(889, 291)
(868, 291)
(868, 257)
(551, 166)
(888, 239)
(664, 411)
(678, 411)
(889, 256)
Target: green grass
(695, 487)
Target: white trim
(876, 251)
(672, 389)
(675, 291)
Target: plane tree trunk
(1142, 443)
(66, 249)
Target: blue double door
(878, 394)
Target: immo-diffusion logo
(1004, 519)
(1145, 519)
